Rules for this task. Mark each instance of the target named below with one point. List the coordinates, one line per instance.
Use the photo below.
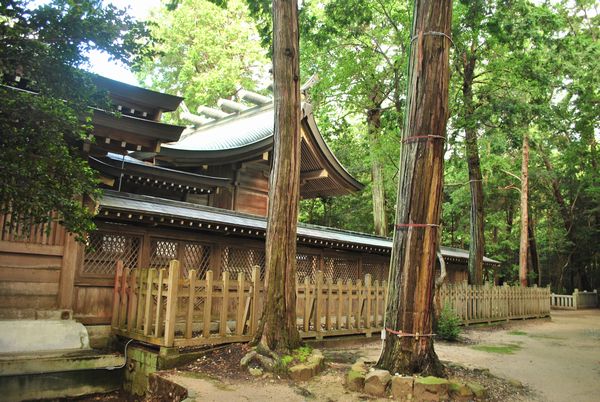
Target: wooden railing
(162, 308)
(486, 303)
(577, 300)
(325, 308)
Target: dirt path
(559, 359)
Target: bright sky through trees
(100, 63)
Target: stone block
(432, 389)
(376, 382)
(301, 372)
(477, 389)
(402, 388)
(360, 366)
(460, 391)
(355, 380)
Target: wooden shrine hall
(197, 194)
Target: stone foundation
(379, 383)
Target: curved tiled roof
(248, 134)
(233, 132)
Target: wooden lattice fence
(486, 303)
(167, 308)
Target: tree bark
(277, 330)
(534, 258)
(524, 211)
(412, 267)
(477, 243)
(377, 183)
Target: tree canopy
(205, 51)
(46, 100)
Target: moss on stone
(477, 389)
(353, 374)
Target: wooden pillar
(72, 254)
(216, 265)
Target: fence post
(239, 320)
(206, 317)
(340, 305)
(329, 304)
(171, 313)
(132, 298)
(148, 306)
(368, 309)
(116, 294)
(123, 296)
(575, 298)
(319, 304)
(224, 305)
(255, 301)
(596, 293)
(307, 304)
(189, 325)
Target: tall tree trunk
(377, 183)
(524, 211)
(477, 243)
(412, 267)
(534, 258)
(277, 330)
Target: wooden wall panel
(28, 280)
(93, 305)
(251, 202)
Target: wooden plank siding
(29, 278)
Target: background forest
(524, 87)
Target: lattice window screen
(196, 256)
(241, 260)
(340, 268)
(163, 251)
(377, 269)
(306, 266)
(106, 248)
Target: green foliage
(302, 353)
(299, 355)
(205, 52)
(42, 168)
(286, 360)
(448, 324)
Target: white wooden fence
(577, 300)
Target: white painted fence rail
(577, 300)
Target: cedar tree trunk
(534, 257)
(379, 217)
(477, 243)
(412, 266)
(277, 330)
(524, 211)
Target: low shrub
(448, 324)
